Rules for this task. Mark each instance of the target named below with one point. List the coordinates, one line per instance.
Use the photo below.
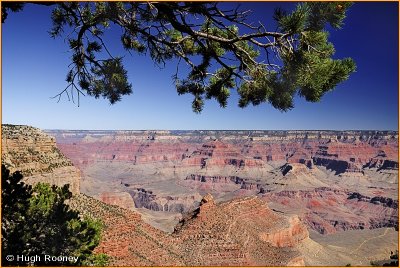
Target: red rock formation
(350, 157)
(328, 210)
(121, 199)
(239, 232)
(145, 147)
(126, 238)
(220, 154)
(231, 162)
(209, 182)
(301, 156)
(204, 238)
(286, 236)
(346, 151)
(381, 162)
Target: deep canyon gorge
(224, 197)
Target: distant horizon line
(68, 129)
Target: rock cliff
(340, 151)
(231, 234)
(240, 232)
(166, 171)
(121, 199)
(240, 163)
(126, 238)
(327, 210)
(36, 155)
(147, 199)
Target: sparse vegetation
(100, 259)
(393, 262)
(36, 221)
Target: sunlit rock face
(240, 232)
(35, 154)
(340, 151)
(328, 210)
(169, 171)
(240, 197)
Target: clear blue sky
(35, 66)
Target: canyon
(270, 198)
(314, 174)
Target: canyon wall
(36, 155)
(229, 234)
(146, 199)
(328, 210)
(340, 151)
(229, 164)
(284, 173)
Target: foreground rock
(240, 232)
(126, 238)
(35, 154)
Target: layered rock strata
(239, 163)
(147, 199)
(340, 151)
(36, 155)
(126, 239)
(121, 199)
(240, 232)
(328, 210)
(252, 184)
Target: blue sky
(35, 65)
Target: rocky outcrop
(147, 199)
(220, 154)
(381, 162)
(377, 200)
(353, 157)
(36, 155)
(302, 156)
(240, 232)
(212, 179)
(126, 238)
(206, 238)
(252, 184)
(339, 166)
(121, 199)
(286, 236)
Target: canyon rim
(213, 198)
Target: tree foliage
(15, 197)
(36, 221)
(222, 49)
